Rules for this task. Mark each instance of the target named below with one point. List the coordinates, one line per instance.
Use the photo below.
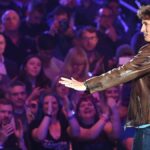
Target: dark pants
(142, 139)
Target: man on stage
(137, 70)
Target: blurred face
(54, 104)
(6, 113)
(2, 44)
(61, 90)
(77, 69)
(35, 17)
(33, 67)
(59, 18)
(112, 93)
(105, 18)
(11, 21)
(18, 95)
(87, 110)
(89, 40)
(33, 105)
(146, 29)
(115, 7)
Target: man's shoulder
(146, 46)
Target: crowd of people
(42, 40)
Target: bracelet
(48, 115)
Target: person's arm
(115, 118)
(74, 128)
(138, 66)
(95, 130)
(41, 132)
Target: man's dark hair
(60, 10)
(4, 101)
(36, 7)
(16, 83)
(90, 29)
(144, 12)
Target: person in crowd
(138, 71)
(32, 109)
(11, 130)
(50, 131)
(105, 23)
(85, 13)
(17, 94)
(124, 54)
(114, 93)
(34, 23)
(18, 46)
(76, 64)
(60, 90)
(89, 42)
(120, 20)
(107, 33)
(62, 29)
(96, 131)
(7, 67)
(52, 66)
(32, 75)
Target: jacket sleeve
(135, 68)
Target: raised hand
(5, 132)
(72, 83)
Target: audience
(41, 40)
(18, 46)
(96, 131)
(7, 67)
(50, 132)
(11, 130)
(32, 74)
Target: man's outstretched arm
(138, 66)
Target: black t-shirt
(102, 142)
(49, 143)
(11, 143)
